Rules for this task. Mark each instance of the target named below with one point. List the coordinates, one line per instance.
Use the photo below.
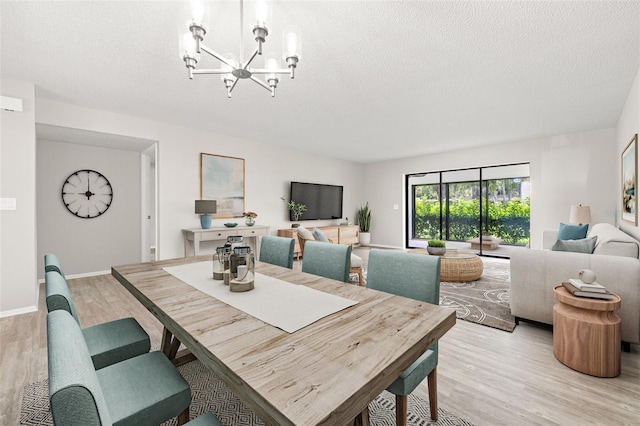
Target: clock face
(87, 194)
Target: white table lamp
(580, 214)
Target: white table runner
(287, 306)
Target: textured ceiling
(377, 79)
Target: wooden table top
(325, 373)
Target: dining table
(323, 373)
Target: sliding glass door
(481, 209)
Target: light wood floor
(487, 376)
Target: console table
(195, 235)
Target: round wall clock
(87, 194)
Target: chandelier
(232, 71)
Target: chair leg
(360, 279)
(183, 417)
(432, 383)
(401, 410)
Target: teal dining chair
(327, 260)
(144, 390)
(52, 264)
(277, 251)
(415, 276)
(109, 342)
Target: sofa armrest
(534, 274)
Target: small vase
(250, 221)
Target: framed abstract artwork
(222, 179)
(630, 182)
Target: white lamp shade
(580, 214)
(205, 206)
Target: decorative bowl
(231, 224)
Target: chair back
(51, 263)
(327, 260)
(75, 394)
(277, 251)
(58, 295)
(416, 276)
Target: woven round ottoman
(457, 266)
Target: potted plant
(250, 218)
(297, 210)
(436, 247)
(364, 222)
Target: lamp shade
(205, 206)
(580, 214)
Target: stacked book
(593, 290)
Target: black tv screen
(322, 201)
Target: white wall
(628, 125)
(88, 245)
(565, 170)
(269, 169)
(18, 281)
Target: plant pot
(437, 251)
(365, 238)
(295, 225)
(250, 221)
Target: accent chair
(418, 277)
(277, 251)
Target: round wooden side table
(586, 333)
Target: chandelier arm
(217, 56)
(261, 83)
(211, 71)
(255, 52)
(269, 71)
(232, 87)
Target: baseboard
(19, 311)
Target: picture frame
(222, 179)
(630, 182)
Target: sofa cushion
(305, 233)
(318, 235)
(585, 245)
(572, 232)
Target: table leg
(170, 345)
(362, 419)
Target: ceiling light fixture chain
(231, 71)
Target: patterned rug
(209, 393)
(485, 301)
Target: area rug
(485, 301)
(210, 394)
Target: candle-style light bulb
(197, 11)
(262, 12)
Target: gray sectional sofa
(615, 260)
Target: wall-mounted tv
(322, 201)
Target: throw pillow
(305, 233)
(320, 236)
(572, 232)
(585, 245)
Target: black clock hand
(88, 193)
